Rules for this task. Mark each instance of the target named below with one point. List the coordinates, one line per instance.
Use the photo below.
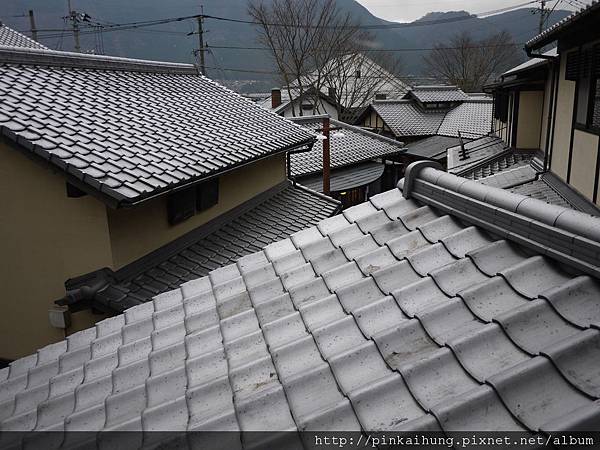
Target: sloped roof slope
(356, 145)
(400, 314)
(432, 147)
(405, 118)
(437, 94)
(85, 115)
(269, 217)
(472, 117)
(12, 38)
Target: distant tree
(469, 63)
(315, 47)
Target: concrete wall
(137, 231)
(45, 238)
(529, 120)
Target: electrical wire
(148, 23)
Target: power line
(147, 23)
(234, 47)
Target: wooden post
(326, 158)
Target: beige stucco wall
(137, 231)
(564, 117)
(583, 163)
(529, 121)
(45, 239)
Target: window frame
(589, 72)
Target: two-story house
(125, 177)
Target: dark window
(181, 205)
(380, 96)
(501, 106)
(207, 194)
(307, 107)
(583, 66)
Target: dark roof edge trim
(568, 236)
(321, 196)
(109, 196)
(53, 58)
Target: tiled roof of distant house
(405, 118)
(551, 33)
(428, 313)
(437, 94)
(84, 115)
(12, 38)
(433, 147)
(356, 145)
(493, 163)
(267, 218)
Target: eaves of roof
(552, 33)
(84, 116)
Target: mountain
(171, 42)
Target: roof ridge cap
(55, 58)
(570, 236)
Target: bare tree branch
(470, 64)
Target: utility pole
(75, 24)
(542, 16)
(201, 40)
(32, 25)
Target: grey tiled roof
(540, 190)
(12, 38)
(518, 174)
(497, 164)
(347, 177)
(550, 33)
(432, 147)
(128, 128)
(271, 217)
(438, 94)
(479, 152)
(405, 118)
(392, 316)
(356, 145)
(473, 118)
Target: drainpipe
(326, 157)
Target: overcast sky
(409, 10)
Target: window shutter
(207, 194)
(573, 63)
(596, 60)
(582, 63)
(181, 206)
